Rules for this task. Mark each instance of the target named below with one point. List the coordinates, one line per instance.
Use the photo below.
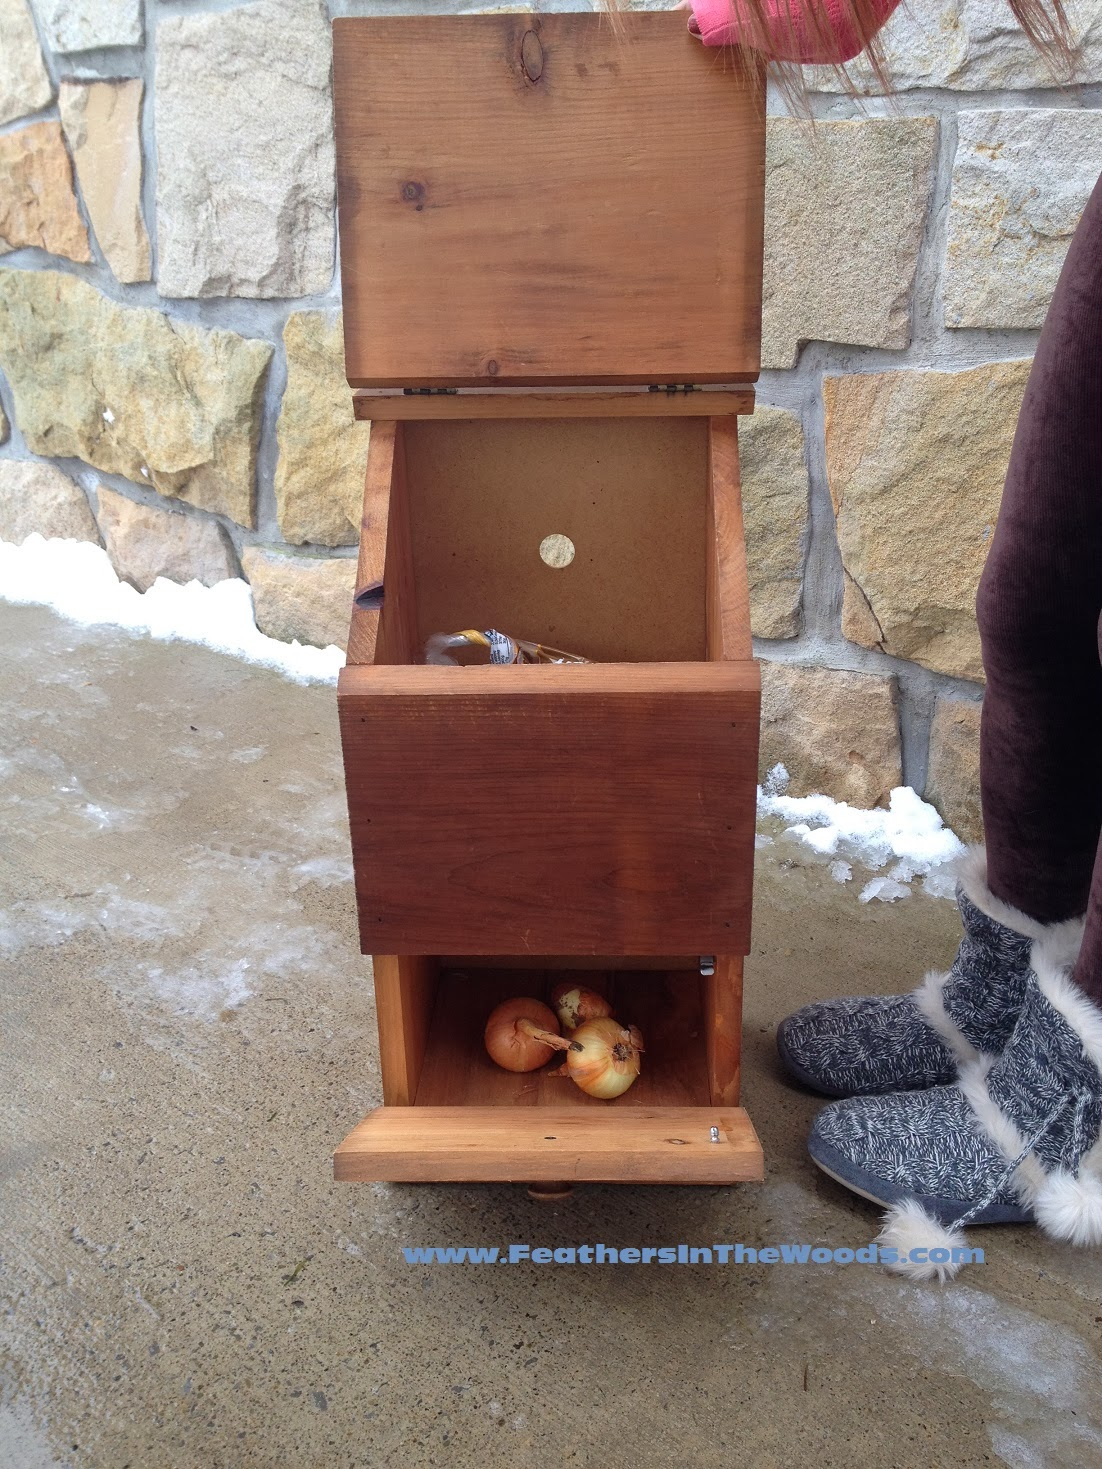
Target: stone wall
(171, 382)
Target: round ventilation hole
(556, 551)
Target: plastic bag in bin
(491, 647)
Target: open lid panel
(530, 200)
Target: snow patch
(910, 835)
(77, 580)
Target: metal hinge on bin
(430, 392)
(671, 388)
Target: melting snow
(910, 835)
(77, 580)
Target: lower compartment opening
(666, 1005)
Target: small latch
(715, 1134)
(670, 389)
(430, 392)
(707, 965)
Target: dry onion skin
(574, 1005)
(602, 1057)
(513, 1034)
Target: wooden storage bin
(510, 824)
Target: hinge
(671, 388)
(430, 392)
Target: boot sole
(877, 1190)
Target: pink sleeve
(716, 22)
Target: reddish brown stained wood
(602, 224)
(722, 998)
(552, 808)
(728, 583)
(378, 485)
(483, 406)
(405, 994)
(546, 1144)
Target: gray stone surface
(245, 182)
(969, 46)
(36, 498)
(835, 732)
(953, 781)
(319, 478)
(190, 1030)
(916, 463)
(1021, 179)
(87, 25)
(775, 514)
(25, 84)
(102, 122)
(167, 404)
(305, 599)
(145, 542)
(845, 211)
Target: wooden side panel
(380, 407)
(728, 599)
(728, 593)
(405, 993)
(722, 995)
(378, 489)
(540, 199)
(606, 1144)
(556, 808)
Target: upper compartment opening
(585, 535)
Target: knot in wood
(531, 56)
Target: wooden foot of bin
(548, 1193)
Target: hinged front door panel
(611, 1144)
(593, 809)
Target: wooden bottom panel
(549, 1144)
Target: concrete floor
(188, 1031)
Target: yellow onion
(602, 1056)
(574, 1005)
(514, 1034)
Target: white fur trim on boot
(907, 1229)
(1051, 968)
(1063, 938)
(1070, 1207)
(931, 1002)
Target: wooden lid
(530, 200)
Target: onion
(602, 1056)
(575, 1005)
(513, 1034)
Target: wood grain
(546, 1144)
(380, 408)
(378, 485)
(631, 496)
(405, 996)
(728, 585)
(665, 1006)
(600, 224)
(547, 808)
(723, 1029)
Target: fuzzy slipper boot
(893, 1043)
(1017, 1139)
